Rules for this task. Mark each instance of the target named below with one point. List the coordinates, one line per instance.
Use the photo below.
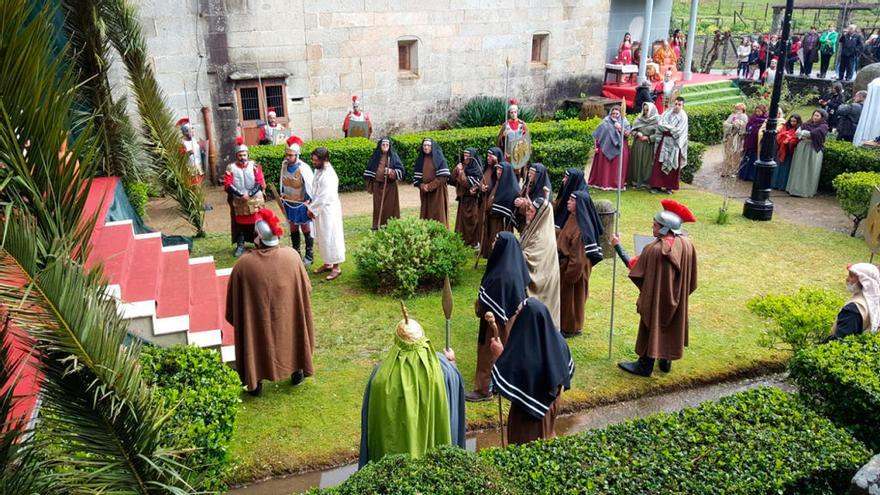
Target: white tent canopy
(869, 123)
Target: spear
(490, 320)
(447, 306)
(616, 231)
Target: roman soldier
(295, 189)
(192, 149)
(268, 131)
(666, 275)
(355, 115)
(512, 128)
(244, 184)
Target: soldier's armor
(292, 184)
(244, 178)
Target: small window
(250, 103)
(407, 56)
(540, 44)
(275, 99)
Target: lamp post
(759, 206)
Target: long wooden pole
(490, 320)
(616, 233)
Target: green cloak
(408, 409)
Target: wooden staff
(278, 199)
(616, 231)
(493, 326)
(447, 306)
(382, 200)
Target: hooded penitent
(506, 278)
(540, 187)
(473, 169)
(574, 181)
(506, 192)
(589, 225)
(441, 168)
(536, 362)
(393, 161)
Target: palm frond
(103, 422)
(157, 123)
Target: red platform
(628, 90)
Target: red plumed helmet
(271, 109)
(513, 101)
(679, 209)
(239, 140)
(354, 98)
(294, 140)
(182, 121)
(269, 217)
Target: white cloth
(328, 215)
(194, 152)
(869, 278)
(869, 122)
(675, 146)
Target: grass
(318, 423)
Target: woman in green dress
(646, 132)
(806, 162)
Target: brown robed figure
(666, 275)
(268, 303)
(467, 177)
(491, 224)
(430, 176)
(579, 250)
(382, 175)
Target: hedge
(841, 156)
(760, 441)
(350, 156)
(706, 122)
(854, 191)
(445, 471)
(204, 396)
(694, 161)
(842, 378)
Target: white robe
(327, 209)
(869, 122)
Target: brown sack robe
(666, 275)
(485, 359)
(539, 249)
(493, 224)
(467, 220)
(574, 276)
(391, 206)
(435, 202)
(523, 428)
(268, 303)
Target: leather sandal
(334, 274)
(323, 268)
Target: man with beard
(466, 177)
(539, 249)
(430, 176)
(503, 287)
(382, 174)
(413, 401)
(296, 189)
(671, 154)
(268, 303)
(269, 132)
(326, 211)
(666, 275)
(244, 184)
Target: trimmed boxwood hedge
(204, 395)
(841, 156)
(755, 442)
(694, 161)
(706, 122)
(842, 378)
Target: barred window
(250, 103)
(275, 99)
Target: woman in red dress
(605, 172)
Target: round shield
(521, 151)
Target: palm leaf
(104, 425)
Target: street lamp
(759, 206)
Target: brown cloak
(467, 220)
(539, 249)
(493, 224)
(666, 275)
(268, 303)
(523, 428)
(387, 186)
(574, 276)
(435, 202)
(485, 359)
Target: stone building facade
(414, 63)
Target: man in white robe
(326, 212)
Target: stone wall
(328, 50)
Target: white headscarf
(869, 278)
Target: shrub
(760, 441)
(204, 395)
(854, 190)
(444, 471)
(841, 156)
(798, 320)
(842, 378)
(349, 157)
(482, 111)
(694, 161)
(559, 156)
(138, 195)
(410, 254)
(706, 122)
(571, 112)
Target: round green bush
(854, 190)
(798, 320)
(204, 395)
(410, 254)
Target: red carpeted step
(204, 322)
(174, 284)
(111, 248)
(144, 270)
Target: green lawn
(318, 423)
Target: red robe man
(512, 127)
(355, 115)
(244, 184)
